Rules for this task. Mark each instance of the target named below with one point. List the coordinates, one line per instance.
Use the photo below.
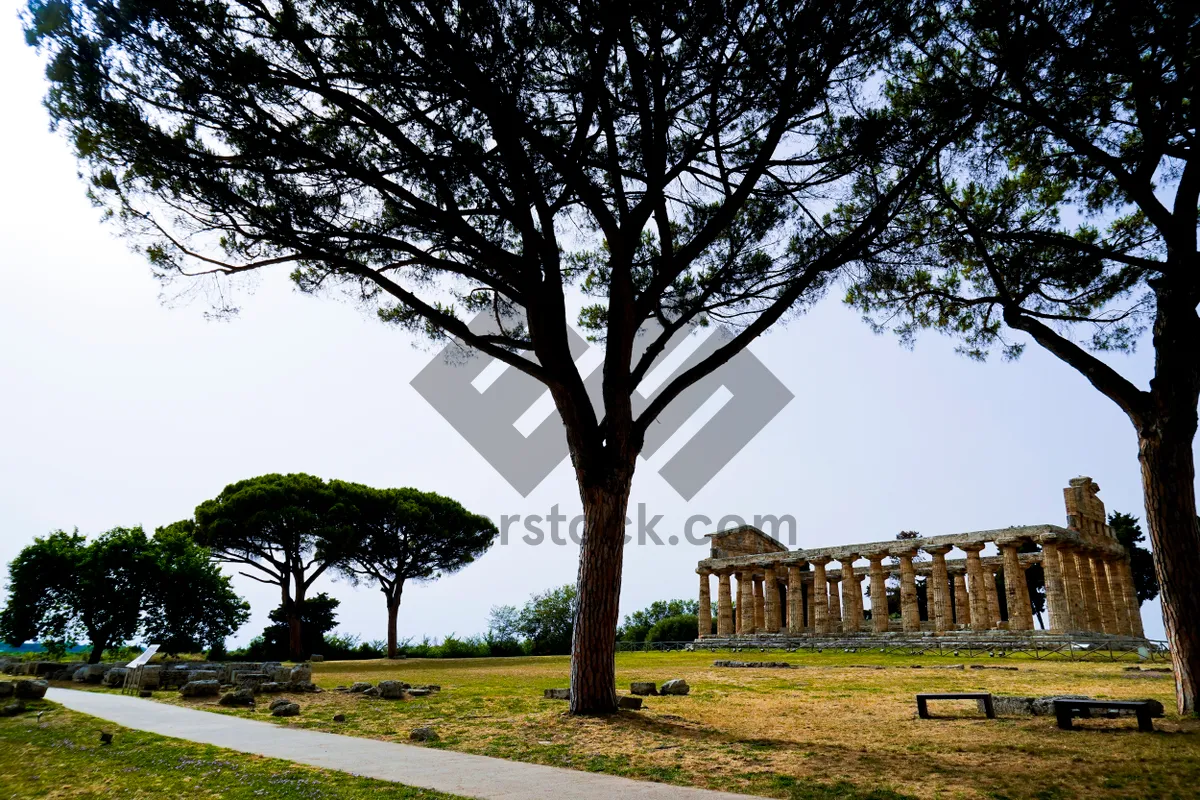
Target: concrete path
(442, 770)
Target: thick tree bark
(593, 642)
(295, 629)
(1166, 434)
(393, 607)
(1168, 482)
(99, 645)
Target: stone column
(1104, 601)
(879, 612)
(1087, 583)
(1116, 586)
(1133, 608)
(910, 613)
(1058, 610)
(820, 596)
(1026, 602)
(962, 600)
(1107, 566)
(760, 613)
(979, 615)
(725, 626)
(704, 613)
(810, 610)
(835, 606)
(746, 602)
(1014, 577)
(795, 615)
(938, 589)
(781, 598)
(1070, 575)
(851, 621)
(858, 599)
(993, 600)
(770, 600)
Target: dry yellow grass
(827, 729)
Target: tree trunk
(593, 640)
(393, 607)
(1168, 482)
(99, 645)
(295, 628)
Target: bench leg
(1064, 718)
(989, 707)
(1145, 724)
(922, 708)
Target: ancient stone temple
(768, 593)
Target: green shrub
(680, 628)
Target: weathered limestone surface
(962, 600)
(910, 615)
(879, 622)
(704, 615)
(820, 596)
(771, 600)
(851, 613)
(939, 582)
(724, 605)
(979, 615)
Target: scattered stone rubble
(390, 690)
(1016, 705)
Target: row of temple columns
(1085, 591)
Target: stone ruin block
(677, 686)
(201, 675)
(251, 680)
(644, 688)
(200, 689)
(301, 674)
(392, 690)
(151, 677)
(173, 678)
(92, 673)
(115, 677)
(30, 690)
(229, 669)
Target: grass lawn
(829, 729)
(61, 757)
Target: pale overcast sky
(120, 410)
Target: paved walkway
(442, 770)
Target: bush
(451, 647)
(681, 628)
(349, 647)
(638, 624)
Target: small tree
(63, 588)
(1141, 561)
(273, 525)
(189, 605)
(547, 620)
(318, 616)
(639, 623)
(391, 536)
(676, 628)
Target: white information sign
(144, 658)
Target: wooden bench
(1065, 710)
(983, 698)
